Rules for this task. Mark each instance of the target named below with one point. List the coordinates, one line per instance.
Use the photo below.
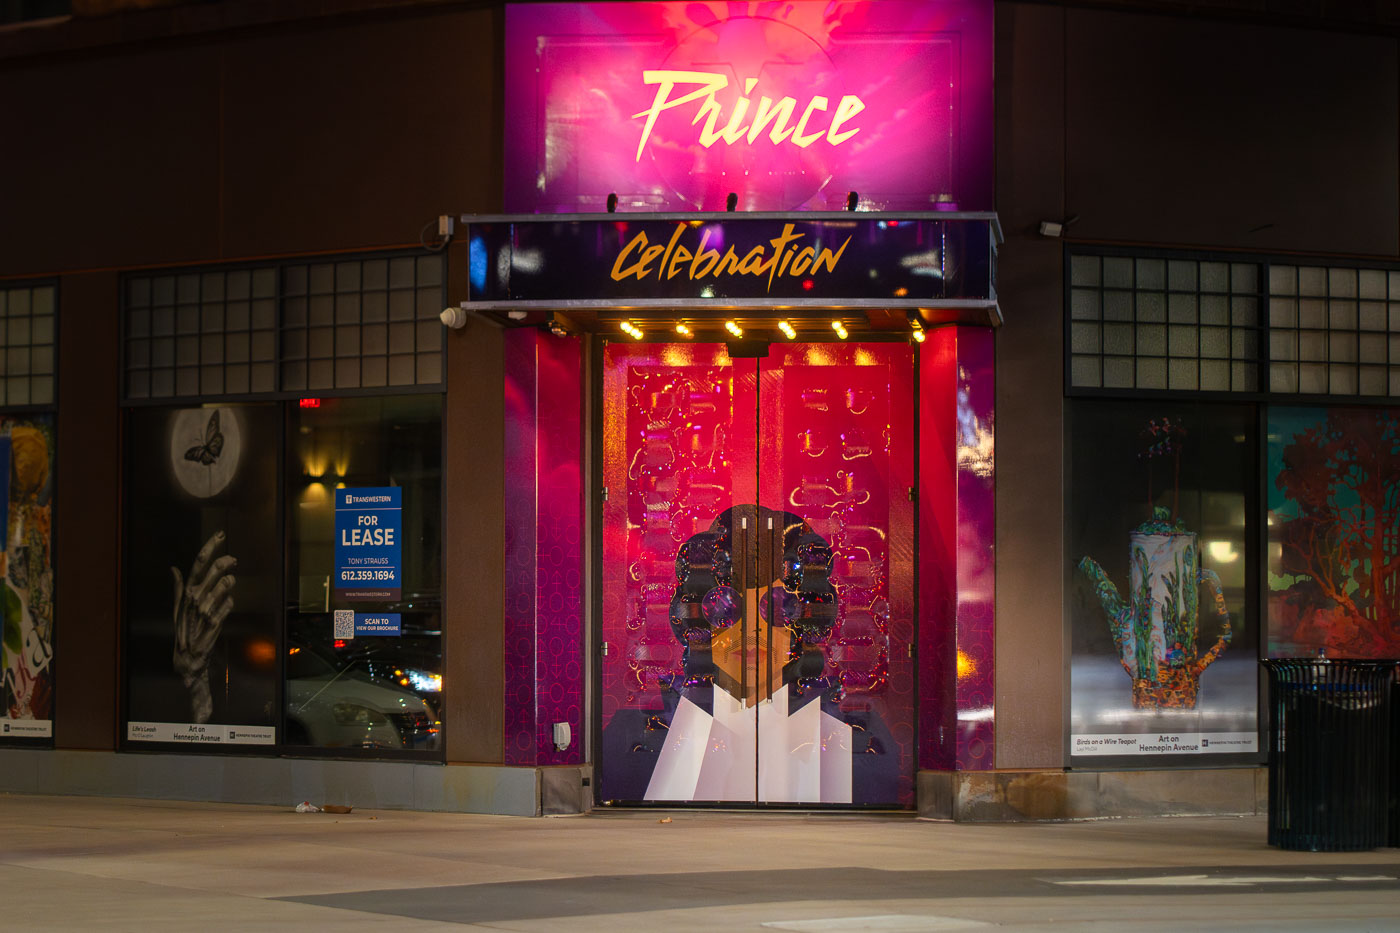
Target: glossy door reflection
(756, 647)
(836, 442)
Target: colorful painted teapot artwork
(1155, 629)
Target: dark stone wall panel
(287, 139)
(474, 549)
(109, 162)
(87, 563)
(1030, 649)
(1201, 132)
(358, 135)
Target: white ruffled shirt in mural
(806, 757)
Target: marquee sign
(675, 105)
(716, 259)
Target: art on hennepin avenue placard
(202, 577)
(27, 576)
(1333, 479)
(1163, 660)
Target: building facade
(526, 408)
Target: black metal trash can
(1329, 753)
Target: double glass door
(757, 575)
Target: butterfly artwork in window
(212, 443)
(205, 448)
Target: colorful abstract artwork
(1334, 532)
(26, 576)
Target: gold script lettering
(709, 83)
(619, 273)
(768, 114)
(779, 257)
(638, 268)
(805, 140)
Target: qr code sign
(344, 623)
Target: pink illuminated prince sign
(790, 106)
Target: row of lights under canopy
(790, 332)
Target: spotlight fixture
(916, 326)
(733, 328)
(840, 329)
(787, 330)
(684, 331)
(631, 330)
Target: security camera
(453, 317)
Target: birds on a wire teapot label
(368, 544)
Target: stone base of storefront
(963, 796)
(371, 785)
(1010, 796)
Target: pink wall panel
(957, 633)
(544, 667)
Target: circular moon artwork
(205, 447)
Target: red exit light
(310, 403)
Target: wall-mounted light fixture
(1055, 228)
(916, 327)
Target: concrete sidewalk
(76, 863)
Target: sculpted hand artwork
(202, 602)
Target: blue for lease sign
(368, 548)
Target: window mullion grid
(1103, 345)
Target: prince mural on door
(756, 639)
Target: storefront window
(1334, 532)
(364, 640)
(26, 575)
(234, 505)
(1161, 613)
(202, 574)
(28, 318)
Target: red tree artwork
(1336, 540)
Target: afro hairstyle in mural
(772, 552)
